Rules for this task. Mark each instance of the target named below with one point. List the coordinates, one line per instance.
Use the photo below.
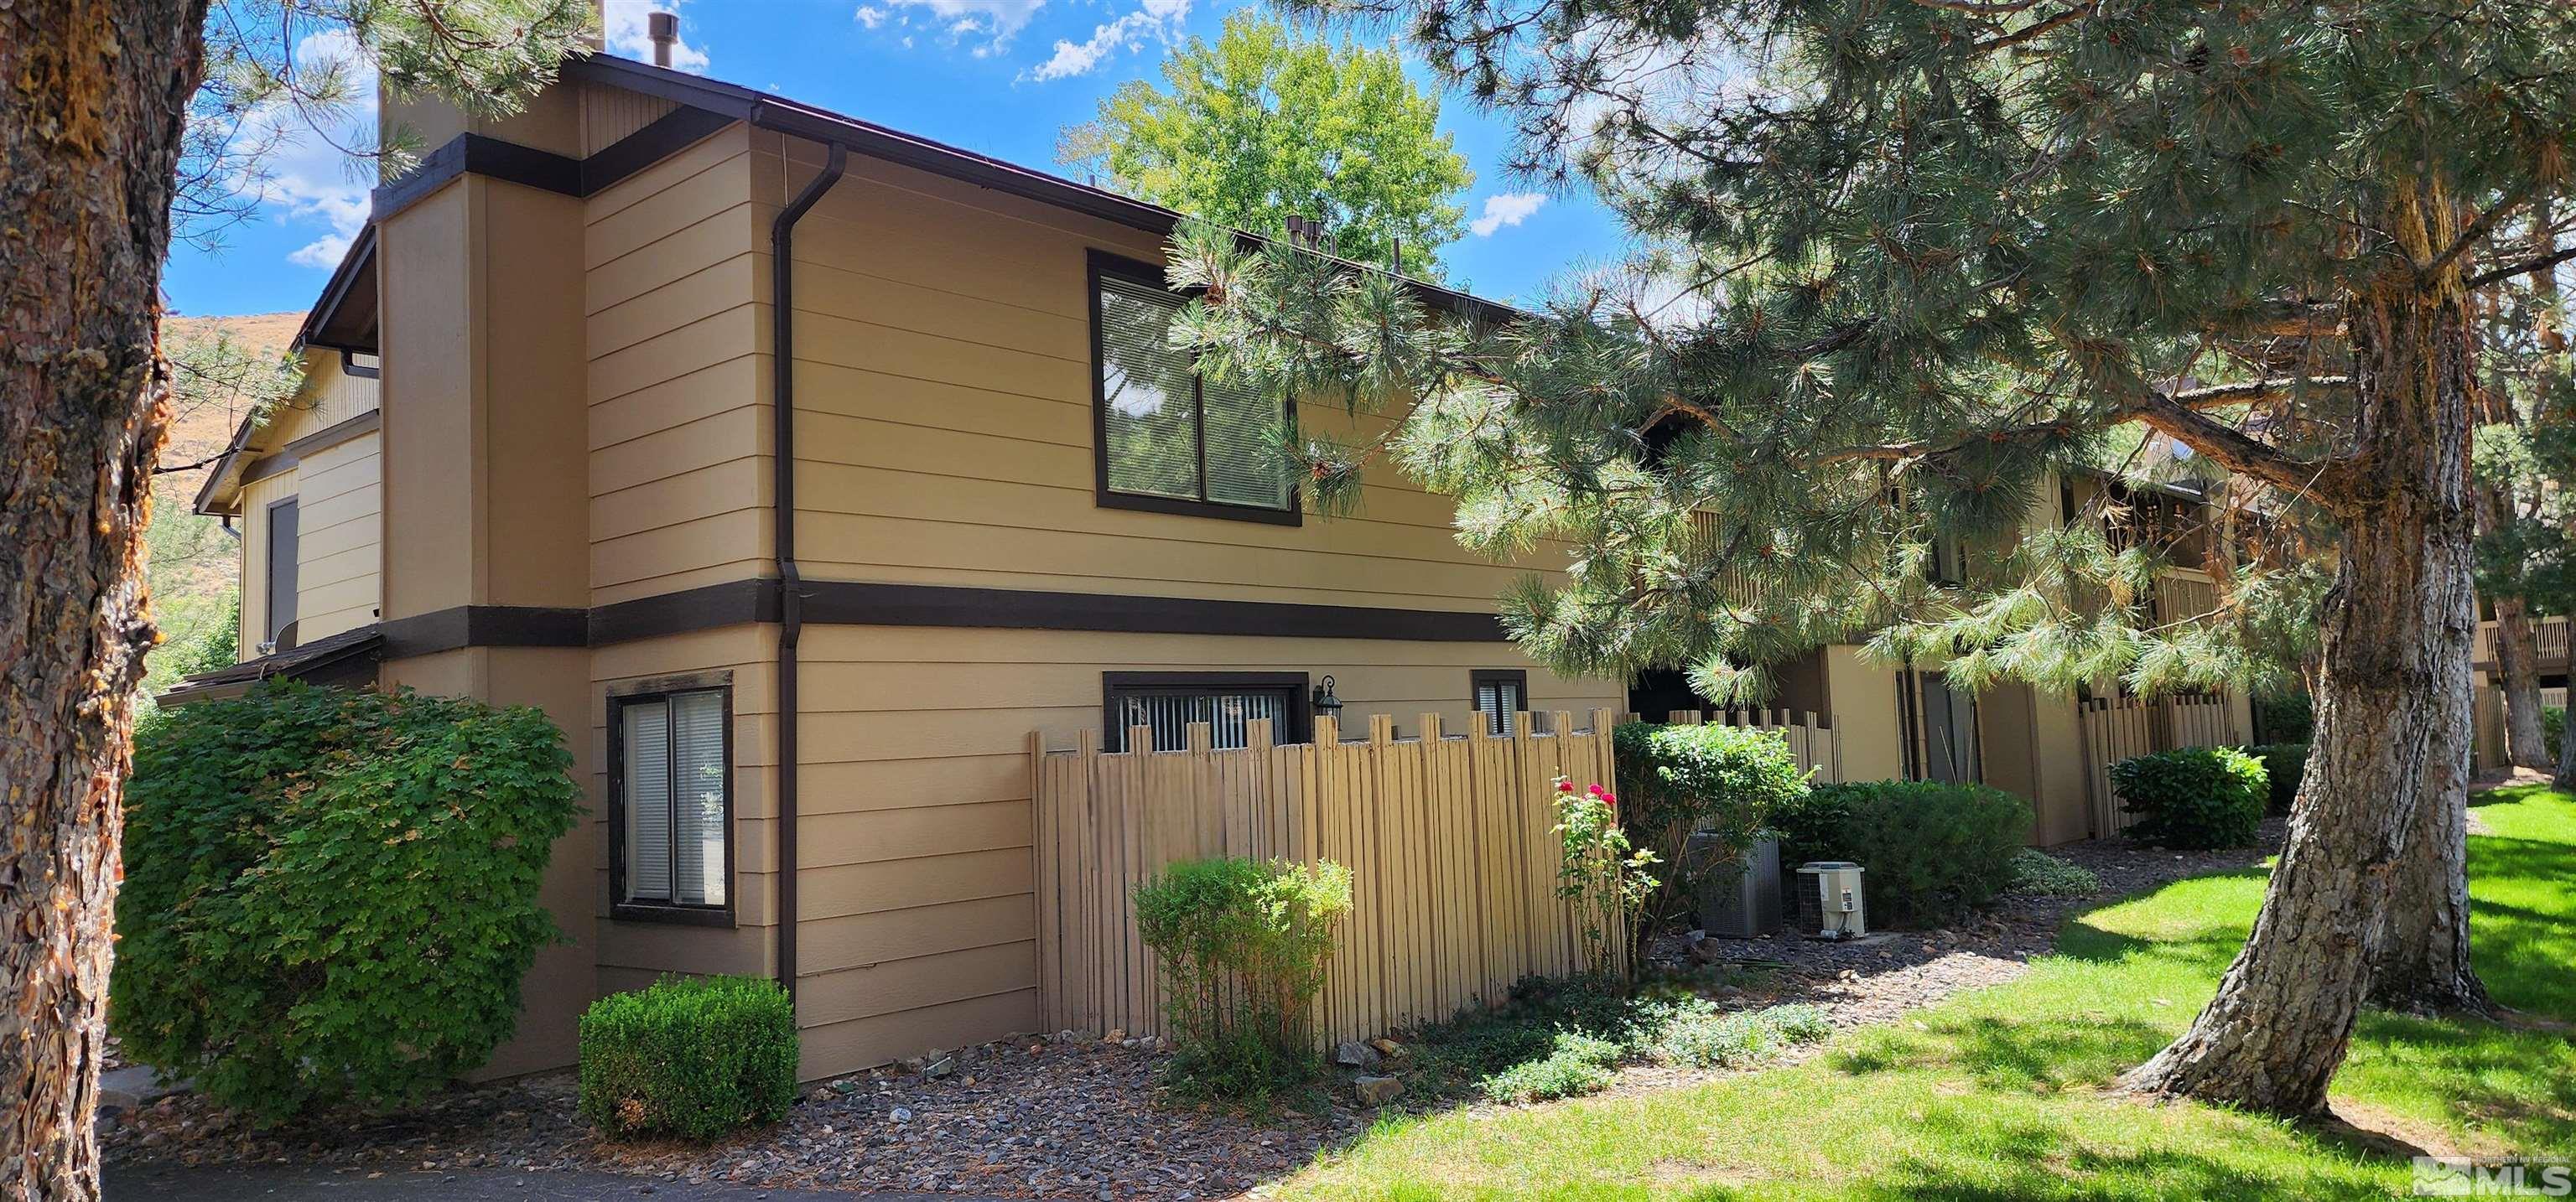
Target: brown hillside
(197, 435)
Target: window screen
(1500, 698)
(1169, 704)
(1164, 431)
(673, 786)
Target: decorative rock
(1389, 1048)
(1115, 1035)
(821, 1095)
(900, 1114)
(1377, 1091)
(1354, 1054)
(846, 1086)
(940, 1067)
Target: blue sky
(995, 76)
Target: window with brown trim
(1167, 439)
(1501, 694)
(670, 756)
(1167, 702)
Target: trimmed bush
(2039, 874)
(1242, 946)
(2284, 766)
(331, 896)
(1674, 780)
(2193, 797)
(2553, 727)
(2285, 716)
(694, 1057)
(1932, 850)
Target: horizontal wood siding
(678, 431)
(917, 889)
(338, 544)
(944, 427)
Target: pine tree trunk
(2517, 659)
(90, 122)
(2391, 703)
(2423, 960)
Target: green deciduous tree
(109, 124)
(1263, 125)
(1912, 257)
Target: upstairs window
(1170, 440)
(674, 795)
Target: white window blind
(648, 800)
(673, 769)
(1165, 431)
(1169, 712)
(1499, 699)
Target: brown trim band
(485, 626)
(477, 154)
(855, 603)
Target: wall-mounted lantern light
(1327, 705)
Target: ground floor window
(1167, 702)
(1501, 696)
(1940, 729)
(673, 813)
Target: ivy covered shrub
(331, 896)
(2284, 766)
(1726, 781)
(695, 1057)
(1241, 947)
(2193, 797)
(1932, 850)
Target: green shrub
(1242, 946)
(331, 896)
(2193, 797)
(2553, 727)
(1674, 780)
(2038, 874)
(1576, 1064)
(1706, 1038)
(2284, 766)
(2285, 716)
(694, 1057)
(1932, 850)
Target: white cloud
(626, 31)
(1159, 19)
(307, 174)
(988, 24)
(1510, 208)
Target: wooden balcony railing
(2549, 633)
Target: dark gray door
(282, 524)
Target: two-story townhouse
(800, 468)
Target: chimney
(664, 29)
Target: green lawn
(1994, 1094)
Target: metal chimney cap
(664, 29)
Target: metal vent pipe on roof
(664, 29)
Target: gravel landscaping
(1078, 1119)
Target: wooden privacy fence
(1450, 842)
(1809, 739)
(2118, 728)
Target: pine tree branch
(169, 468)
(2526, 267)
(2475, 230)
(2039, 30)
(2228, 446)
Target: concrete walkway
(284, 1183)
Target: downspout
(791, 583)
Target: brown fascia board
(876, 141)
